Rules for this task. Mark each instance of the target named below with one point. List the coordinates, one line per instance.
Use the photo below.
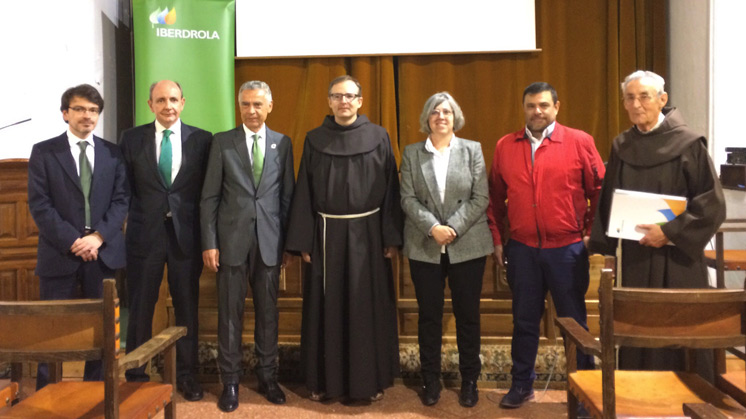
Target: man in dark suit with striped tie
(166, 162)
(78, 197)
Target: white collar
(175, 128)
(73, 139)
(431, 148)
(545, 134)
(262, 131)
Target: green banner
(191, 42)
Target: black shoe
(469, 394)
(228, 401)
(317, 396)
(272, 392)
(516, 397)
(431, 392)
(376, 397)
(190, 388)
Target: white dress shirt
(175, 139)
(440, 167)
(536, 142)
(440, 164)
(250, 140)
(75, 149)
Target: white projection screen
(292, 28)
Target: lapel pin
(273, 146)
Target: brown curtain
(300, 86)
(587, 47)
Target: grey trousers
(232, 287)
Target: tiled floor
(399, 401)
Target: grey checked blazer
(464, 207)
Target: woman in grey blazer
(444, 197)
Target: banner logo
(166, 17)
(163, 17)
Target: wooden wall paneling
(495, 306)
(289, 304)
(18, 234)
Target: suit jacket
(56, 203)
(463, 209)
(234, 211)
(152, 200)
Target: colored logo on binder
(163, 17)
(674, 209)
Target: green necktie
(85, 180)
(258, 157)
(164, 164)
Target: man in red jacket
(543, 178)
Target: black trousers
(465, 282)
(144, 276)
(86, 282)
(233, 282)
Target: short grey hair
(650, 79)
(433, 102)
(255, 85)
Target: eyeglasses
(445, 112)
(644, 98)
(80, 109)
(339, 96)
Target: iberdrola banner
(191, 42)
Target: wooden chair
(75, 330)
(8, 394)
(702, 411)
(652, 318)
(722, 259)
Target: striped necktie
(164, 164)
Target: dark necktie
(164, 164)
(85, 180)
(258, 158)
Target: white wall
(727, 109)
(48, 46)
(705, 54)
(728, 71)
(689, 61)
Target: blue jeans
(563, 271)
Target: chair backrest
(69, 330)
(673, 318)
(665, 318)
(51, 330)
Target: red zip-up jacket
(547, 201)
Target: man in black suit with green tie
(166, 162)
